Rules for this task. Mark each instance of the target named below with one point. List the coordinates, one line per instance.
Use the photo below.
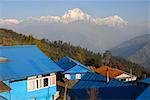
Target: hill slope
(136, 50)
(59, 49)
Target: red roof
(112, 71)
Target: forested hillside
(59, 49)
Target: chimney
(107, 75)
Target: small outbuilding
(72, 69)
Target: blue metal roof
(110, 93)
(145, 95)
(146, 80)
(94, 80)
(77, 69)
(68, 63)
(114, 89)
(24, 61)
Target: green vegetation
(59, 49)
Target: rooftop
(94, 80)
(146, 80)
(112, 71)
(145, 95)
(67, 63)
(114, 89)
(24, 61)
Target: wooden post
(107, 75)
(65, 92)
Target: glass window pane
(45, 82)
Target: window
(123, 79)
(78, 76)
(67, 76)
(45, 82)
(35, 83)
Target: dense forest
(58, 49)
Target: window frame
(68, 76)
(32, 82)
(78, 76)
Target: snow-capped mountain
(69, 17)
(9, 21)
(79, 28)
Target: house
(145, 95)
(93, 85)
(28, 72)
(116, 73)
(72, 69)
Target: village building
(116, 73)
(98, 87)
(26, 73)
(73, 70)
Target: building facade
(29, 73)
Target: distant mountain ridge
(79, 27)
(136, 50)
(70, 16)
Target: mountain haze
(58, 49)
(136, 50)
(77, 27)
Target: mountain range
(79, 28)
(69, 17)
(136, 50)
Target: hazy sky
(134, 11)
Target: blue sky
(134, 11)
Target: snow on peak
(9, 21)
(74, 15)
(71, 16)
(111, 21)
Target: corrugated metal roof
(77, 69)
(145, 95)
(112, 71)
(146, 80)
(67, 63)
(114, 89)
(110, 93)
(93, 80)
(24, 61)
